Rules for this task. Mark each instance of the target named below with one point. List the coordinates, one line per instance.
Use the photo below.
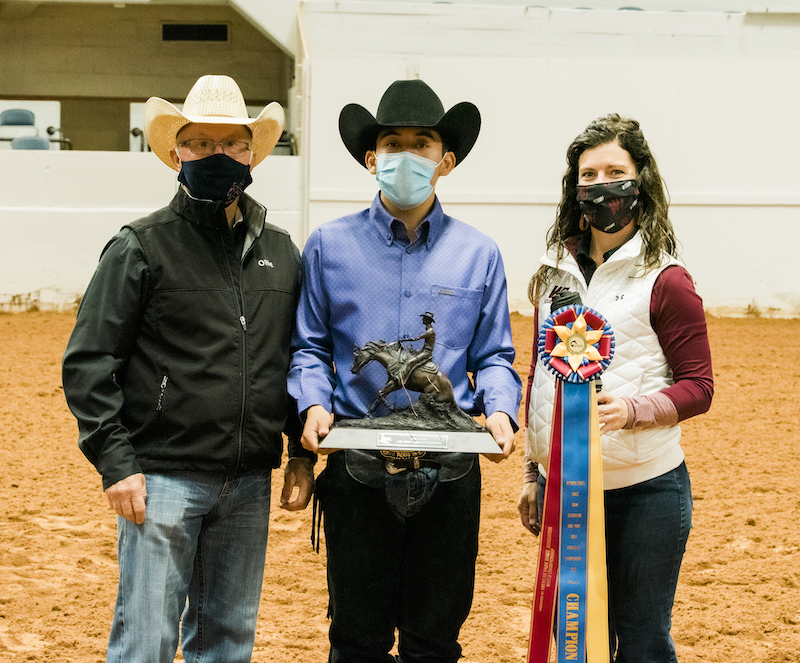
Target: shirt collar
(253, 222)
(207, 212)
(382, 221)
(237, 217)
(579, 246)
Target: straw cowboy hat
(212, 100)
(410, 104)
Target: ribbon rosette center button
(577, 344)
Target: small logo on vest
(265, 263)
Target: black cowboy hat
(410, 104)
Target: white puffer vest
(620, 290)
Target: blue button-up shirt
(364, 281)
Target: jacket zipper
(239, 297)
(160, 404)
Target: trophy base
(370, 439)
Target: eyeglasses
(203, 147)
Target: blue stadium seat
(30, 143)
(17, 117)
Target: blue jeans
(647, 526)
(406, 493)
(195, 564)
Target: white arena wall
(717, 95)
(59, 209)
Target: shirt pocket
(456, 312)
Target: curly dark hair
(653, 219)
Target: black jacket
(179, 355)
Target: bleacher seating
(15, 122)
(30, 143)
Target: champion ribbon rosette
(576, 344)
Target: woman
(613, 245)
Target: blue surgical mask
(405, 178)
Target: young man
(402, 537)
(176, 372)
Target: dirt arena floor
(739, 595)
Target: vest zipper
(239, 300)
(243, 322)
(160, 403)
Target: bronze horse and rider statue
(406, 368)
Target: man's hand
(127, 498)
(528, 508)
(299, 473)
(318, 425)
(499, 425)
(612, 412)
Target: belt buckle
(391, 456)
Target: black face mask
(609, 207)
(217, 177)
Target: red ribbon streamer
(543, 608)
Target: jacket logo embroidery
(265, 263)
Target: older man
(176, 372)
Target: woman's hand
(612, 412)
(528, 508)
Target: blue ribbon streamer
(571, 645)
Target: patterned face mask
(217, 177)
(609, 207)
